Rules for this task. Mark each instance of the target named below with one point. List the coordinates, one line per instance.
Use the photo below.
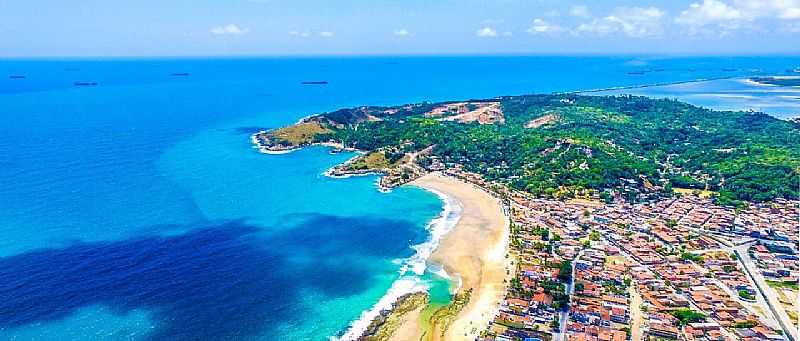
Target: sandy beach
(475, 252)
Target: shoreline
(411, 270)
(474, 252)
(649, 85)
(468, 243)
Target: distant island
(780, 81)
(565, 146)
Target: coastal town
(676, 269)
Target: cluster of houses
(537, 297)
(775, 221)
(639, 269)
(776, 261)
(601, 304)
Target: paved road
(773, 303)
(767, 294)
(564, 315)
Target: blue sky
(333, 27)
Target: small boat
(85, 83)
(729, 69)
(636, 72)
(16, 77)
(314, 82)
(180, 74)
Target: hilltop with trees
(565, 145)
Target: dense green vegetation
(627, 147)
(784, 285)
(745, 324)
(685, 316)
(688, 256)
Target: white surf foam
(400, 287)
(411, 268)
(438, 228)
(263, 149)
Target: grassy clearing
(301, 133)
(792, 315)
(614, 260)
(698, 192)
(372, 160)
(783, 285)
(436, 320)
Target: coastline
(650, 85)
(468, 242)
(409, 281)
(474, 251)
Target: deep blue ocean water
(137, 208)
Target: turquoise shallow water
(728, 94)
(137, 209)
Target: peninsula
(565, 146)
(564, 191)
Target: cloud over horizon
(358, 26)
(229, 29)
(486, 32)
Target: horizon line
(405, 55)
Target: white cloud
(596, 26)
(718, 17)
(781, 9)
(401, 32)
(299, 34)
(486, 32)
(638, 22)
(326, 34)
(710, 12)
(580, 11)
(229, 29)
(791, 13)
(541, 26)
(635, 22)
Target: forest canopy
(565, 145)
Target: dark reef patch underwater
(248, 130)
(221, 282)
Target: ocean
(137, 209)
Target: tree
(745, 324)
(565, 271)
(685, 316)
(555, 325)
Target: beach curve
(475, 251)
